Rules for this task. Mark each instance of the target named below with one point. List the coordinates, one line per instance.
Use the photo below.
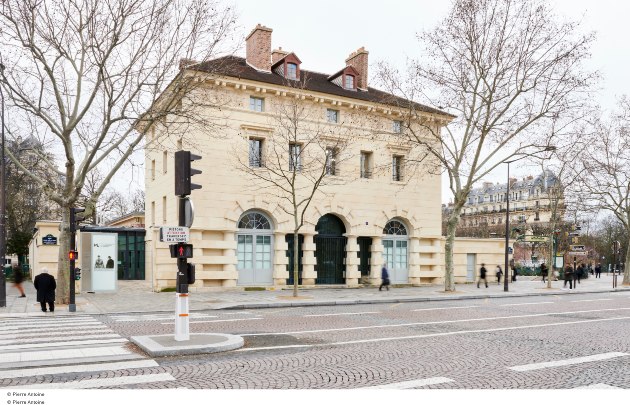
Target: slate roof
(234, 66)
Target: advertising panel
(104, 261)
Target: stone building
(376, 213)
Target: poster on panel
(104, 261)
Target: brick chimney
(258, 48)
(359, 61)
(278, 54)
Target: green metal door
(330, 250)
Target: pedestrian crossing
(58, 348)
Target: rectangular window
(153, 170)
(164, 161)
(366, 165)
(292, 71)
(349, 84)
(331, 161)
(164, 209)
(256, 104)
(332, 115)
(152, 212)
(295, 158)
(255, 153)
(397, 167)
(397, 127)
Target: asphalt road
(552, 342)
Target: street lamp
(507, 211)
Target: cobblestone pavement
(558, 341)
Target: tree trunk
(451, 228)
(296, 249)
(63, 266)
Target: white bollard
(182, 322)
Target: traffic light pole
(182, 321)
(73, 233)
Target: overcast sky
(324, 32)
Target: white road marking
(435, 322)
(49, 338)
(526, 303)
(46, 320)
(218, 320)
(63, 354)
(435, 309)
(566, 362)
(96, 383)
(78, 368)
(66, 343)
(432, 335)
(411, 384)
(50, 327)
(346, 313)
(49, 331)
(156, 318)
(602, 299)
(597, 386)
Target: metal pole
(72, 305)
(3, 205)
(182, 323)
(507, 230)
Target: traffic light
(73, 255)
(181, 251)
(75, 219)
(183, 173)
(77, 273)
(190, 273)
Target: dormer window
(349, 82)
(291, 71)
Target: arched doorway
(330, 250)
(395, 251)
(254, 249)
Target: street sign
(578, 253)
(535, 238)
(578, 248)
(574, 234)
(174, 234)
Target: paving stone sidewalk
(136, 296)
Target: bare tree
(607, 164)
(301, 158)
(94, 76)
(507, 69)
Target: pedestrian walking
(568, 276)
(482, 275)
(598, 271)
(544, 271)
(499, 274)
(384, 279)
(514, 273)
(18, 279)
(577, 275)
(45, 285)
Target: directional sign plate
(578, 253)
(578, 248)
(534, 238)
(174, 234)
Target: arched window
(395, 251)
(395, 227)
(254, 220)
(254, 250)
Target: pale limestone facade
(366, 207)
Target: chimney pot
(258, 48)
(359, 61)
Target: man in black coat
(45, 285)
